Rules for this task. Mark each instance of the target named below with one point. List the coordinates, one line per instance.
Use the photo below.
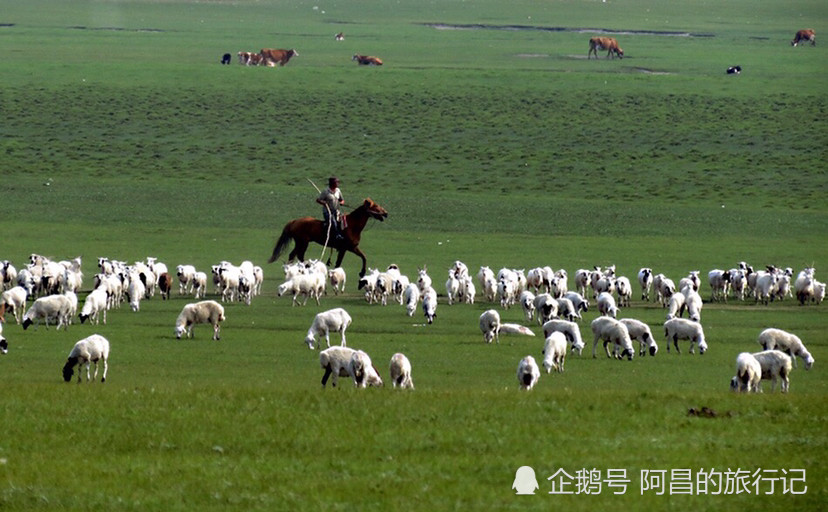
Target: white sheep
(554, 352)
(528, 373)
(612, 331)
(682, 329)
(569, 329)
(567, 310)
(694, 303)
(664, 287)
(423, 279)
(200, 285)
(645, 280)
(14, 299)
(491, 327)
(765, 289)
(430, 304)
(546, 307)
(337, 277)
(333, 320)
(582, 281)
(57, 308)
(748, 374)
(819, 291)
(624, 290)
(787, 342)
(775, 364)
(302, 284)
(362, 370)
(804, 285)
(334, 361)
(676, 305)
(400, 369)
(719, 281)
(93, 305)
(186, 274)
(469, 290)
(206, 311)
(411, 297)
(488, 283)
(452, 287)
(640, 331)
(606, 304)
(578, 300)
(91, 349)
(507, 291)
(527, 302)
(135, 292)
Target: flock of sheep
(542, 294)
(54, 285)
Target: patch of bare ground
(483, 26)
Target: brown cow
(605, 43)
(806, 34)
(367, 60)
(271, 56)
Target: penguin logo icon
(525, 481)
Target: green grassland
(500, 145)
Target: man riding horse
(331, 199)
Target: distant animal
(272, 56)
(225, 59)
(734, 70)
(806, 34)
(340, 37)
(605, 43)
(367, 60)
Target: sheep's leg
(95, 374)
(327, 338)
(216, 331)
(594, 346)
(328, 372)
(105, 368)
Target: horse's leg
(298, 251)
(358, 252)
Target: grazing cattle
(734, 70)
(605, 43)
(340, 37)
(225, 59)
(271, 57)
(804, 35)
(366, 60)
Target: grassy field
(489, 138)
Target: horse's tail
(281, 244)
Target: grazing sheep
(640, 331)
(411, 296)
(14, 299)
(333, 320)
(645, 280)
(337, 277)
(612, 331)
(206, 311)
(528, 373)
(682, 329)
(430, 304)
(491, 327)
(775, 364)
(748, 374)
(554, 352)
(94, 304)
(57, 308)
(676, 305)
(569, 329)
(89, 350)
(334, 361)
(362, 370)
(694, 303)
(606, 305)
(786, 342)
(400, 369)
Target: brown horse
(305, 230)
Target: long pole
(330, 221)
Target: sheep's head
(4, 346)
(702, 346)
(653, 349)
(68, 368)
(809, 360)
(26, 323)
(179, 331)
(627, 352)
(734, 384)
(310, 341)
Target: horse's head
(374, 210)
